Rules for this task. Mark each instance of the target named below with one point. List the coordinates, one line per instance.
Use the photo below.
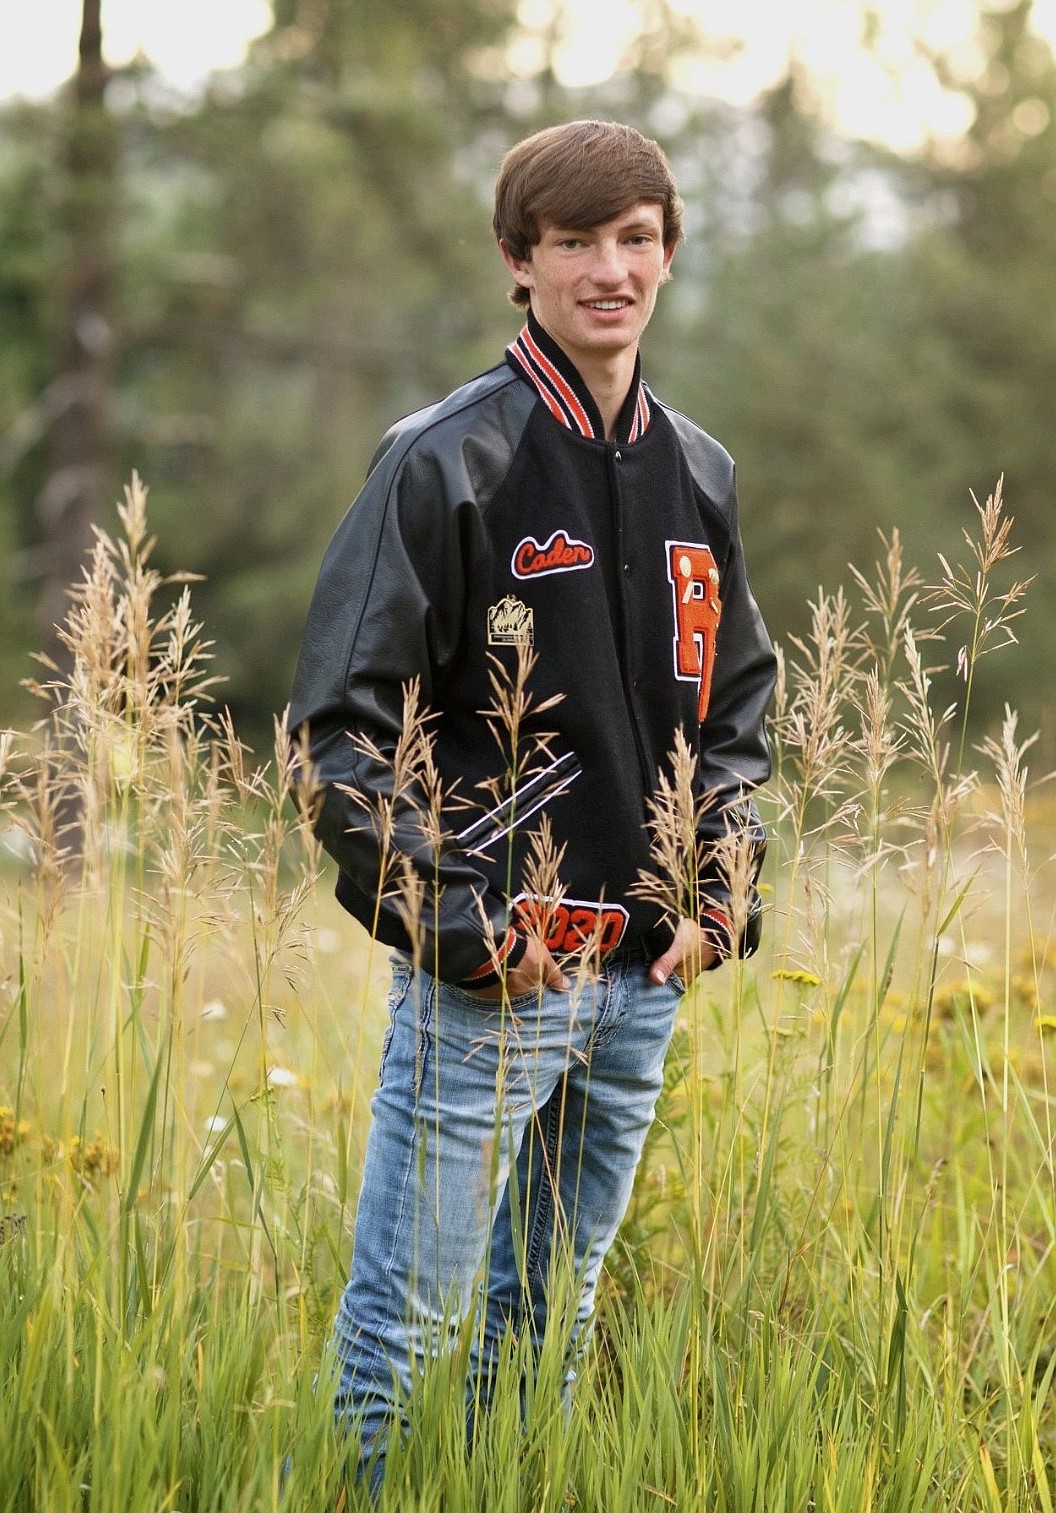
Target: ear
(520, 267)
(669, 253)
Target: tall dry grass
(833, 1289)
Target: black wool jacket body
(499, 523)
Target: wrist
(505, 956)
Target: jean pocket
(402, 977)
(520, 1002)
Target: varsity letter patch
(694, 582)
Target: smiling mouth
(607, 304)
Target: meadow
(834, 1286)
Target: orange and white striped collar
(536, 357)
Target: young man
(549, 527)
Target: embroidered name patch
(561, 553)
(511, 623)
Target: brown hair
(577, 176)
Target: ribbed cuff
(718, 927)
(505, 956)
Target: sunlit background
(866, 62)
(290, 247)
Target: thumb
(664, 965)
(554, 978)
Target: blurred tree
(985, 273)
(302, 255)
(795, 331)
(56, 320)
(874, 337)
(80, 477)
(29, 280)
(322, 268)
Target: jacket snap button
(626, 567)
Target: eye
(570, 242)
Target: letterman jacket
(500, 518)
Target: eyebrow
(639, 224)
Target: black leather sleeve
(387, 611)
(734, 750)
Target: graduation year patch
(570, 925)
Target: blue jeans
(560, 1085)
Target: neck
(608, 376)
(596, 394)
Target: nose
(608, 266)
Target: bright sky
(185, 38)
(891, 94)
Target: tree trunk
(80, 478)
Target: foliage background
(237, 294)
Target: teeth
(607, 304)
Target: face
(594, 291)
